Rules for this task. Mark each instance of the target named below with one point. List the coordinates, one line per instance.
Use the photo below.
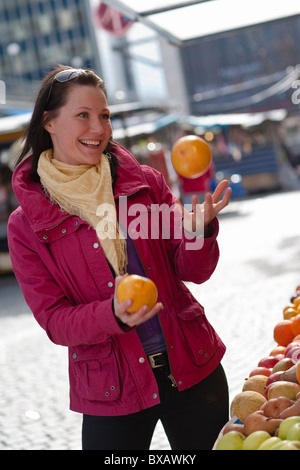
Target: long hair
(51, 97)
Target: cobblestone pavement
(258, 271)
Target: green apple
(294, 432)
(269, 443)
(287, 445)
(232, 440)
(255, 439)
(286, 424)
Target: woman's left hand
(203, 214)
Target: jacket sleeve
(194, 259)
(64, 323)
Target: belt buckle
(152, 360)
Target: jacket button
(45, 237)
(96, 245)
(110, 284)
(154, 396)
(141, 360)
(64, 230)
(74, 356)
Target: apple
(285, 426)
(285, 445)
(293, 354)
(294, 433)
(283, 388)
(268, 361)
(233, 427)
(254, 440)
(274, 377)
(269, 443)
(233, 440)
(293, 344)
(283, 364)
(261, 371)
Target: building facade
(35, 35)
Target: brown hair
(51, 97)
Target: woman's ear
(47, 122)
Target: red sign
(112, 20)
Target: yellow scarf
(86, 191)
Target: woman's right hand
(132, 319)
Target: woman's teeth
(91, 143)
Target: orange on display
(283, 333)
(296, 325)
(191, 156)
(139, 289)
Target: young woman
(126, 371)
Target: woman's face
(82, 129)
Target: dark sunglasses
(65, 76)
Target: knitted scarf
(86, 191)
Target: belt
(158, 360)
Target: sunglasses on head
(65, 76)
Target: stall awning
(184, 21)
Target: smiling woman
(126, 370)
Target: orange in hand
(191, 156)
(139, 289)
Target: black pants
(192, 419)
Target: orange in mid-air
(139, 289)
(191, 156)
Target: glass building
(36, 35)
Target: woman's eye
(83, 114)
(105, 116)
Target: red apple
(268, 362)
(274, 377)
(294, 344)
(261, 371)
(294, 354)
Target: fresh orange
(191, 156)
(283, 333)
(296, 325)
(139, 289)
(298, 372)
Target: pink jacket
(69, 287)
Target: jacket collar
(42, 214)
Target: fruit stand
(265, 415)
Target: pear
(257, 421)
(293, 410)
(275, 406)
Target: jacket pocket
(199, 335)
(96, 373)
